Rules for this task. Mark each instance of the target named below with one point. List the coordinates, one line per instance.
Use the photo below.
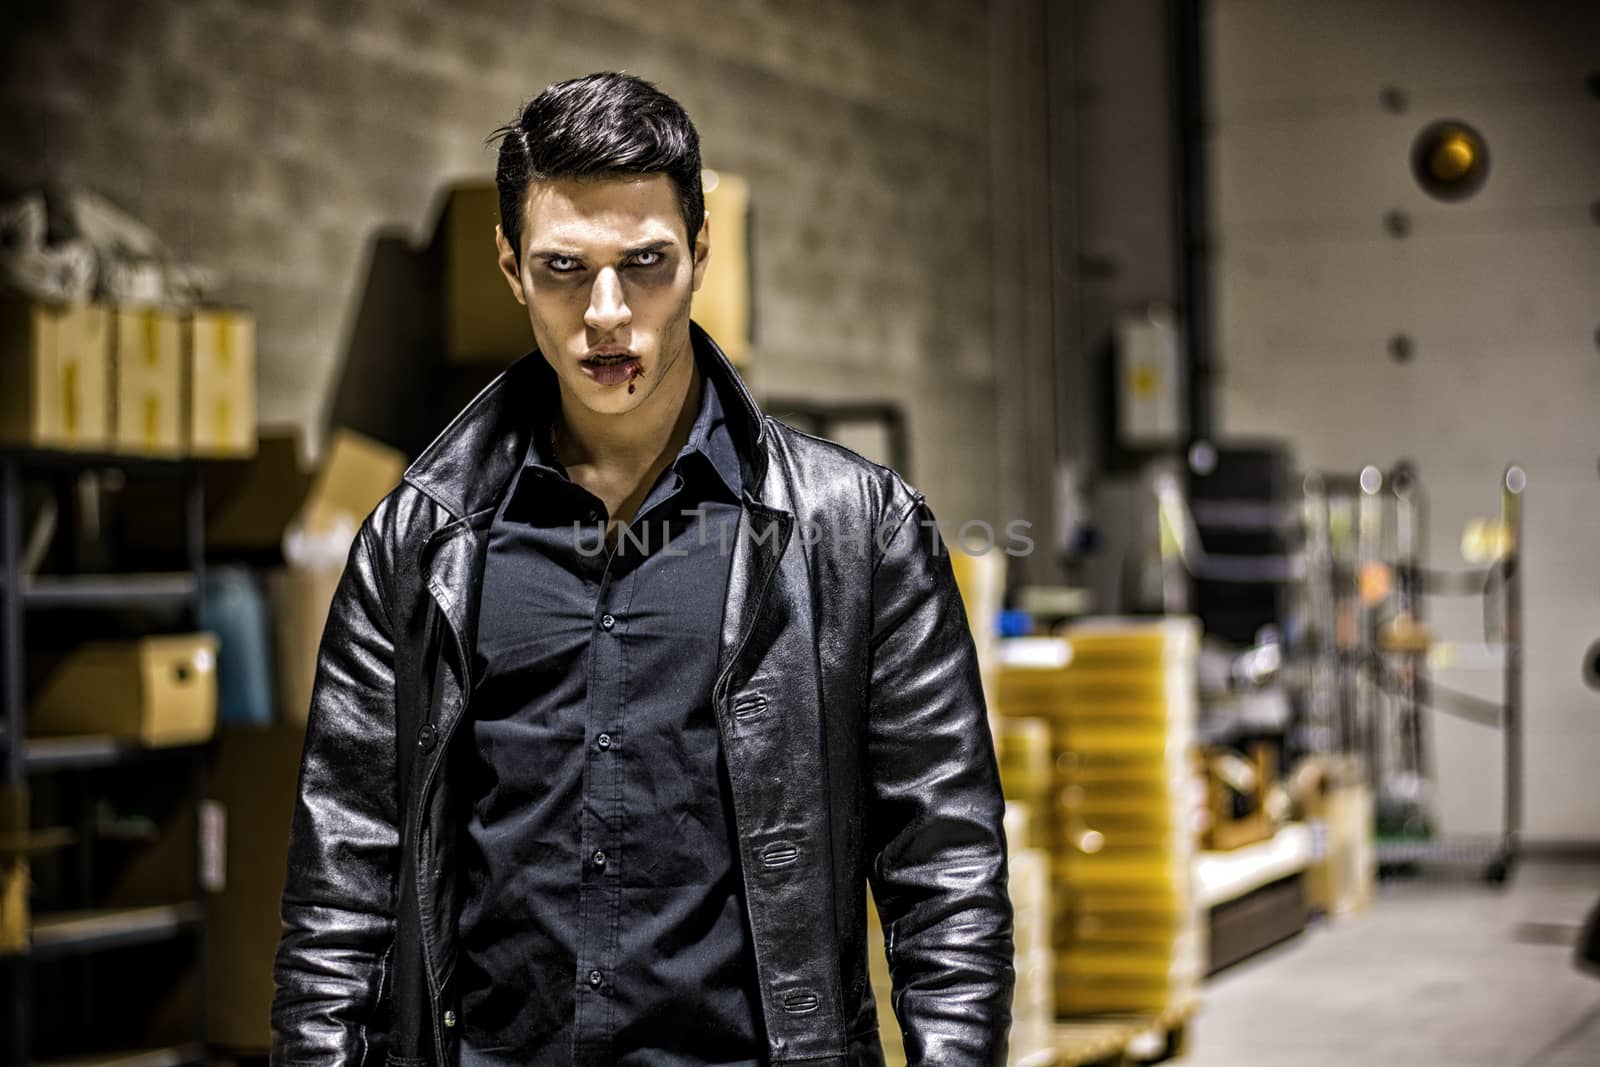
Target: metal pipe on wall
(1189, 116)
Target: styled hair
(601, 125)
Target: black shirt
(602, 917)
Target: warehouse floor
(1435, 972)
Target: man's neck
(618, 457)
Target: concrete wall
(1083, 234)
(1114, 94)
(1500, 296)
(274, 139)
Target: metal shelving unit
(108, 591)
(88, 930)
(75, 933)
(1378, 695)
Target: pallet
(1121, 1040)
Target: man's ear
(508, 264)
(702, 250)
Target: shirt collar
(711, 438)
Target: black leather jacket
(852, 722)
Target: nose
(608, 309)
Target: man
(629, 689)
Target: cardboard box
(1228, 831)
(254, 780)
(154, 690)
(147, 362)
(981, 577)
(299, 598)
(250, 504)
(1336, 804)
(483, 323)
(55, 360)
(13, 905)
(13, 871)
(220, 375)
(355, 474)
(722, 306)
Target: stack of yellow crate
(981, 578)
(894, 1050)
(1127, 930)
(1025, 775)
(1033, 1002)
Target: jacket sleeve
(935, 810)
(339, 888)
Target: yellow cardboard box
(55, 361)
(483, 323)
(220, 373)
(154, 690)
(353, 477)
(254, 779)
(722, 306)
(147, 361)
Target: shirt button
(599, 857)
(607, 621)
(604, 741)
(595, 978)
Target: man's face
(606, 265)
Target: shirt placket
(601, 825)
(603, 820)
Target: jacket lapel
(763, 534)
(454, 561)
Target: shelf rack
(84, 931)
(1360, 685)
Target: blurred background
(1277, 323)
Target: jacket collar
(469, 466)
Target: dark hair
(599, 125)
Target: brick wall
(272, 140)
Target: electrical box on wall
(1149, 397)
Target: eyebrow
(661, 245)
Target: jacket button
(427, 736)
(607, 621)
(449, 1019)
(604, 741)
(595, 978)
(599, 858)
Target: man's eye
(562, 264)
(647, 259)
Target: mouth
(611, 365)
